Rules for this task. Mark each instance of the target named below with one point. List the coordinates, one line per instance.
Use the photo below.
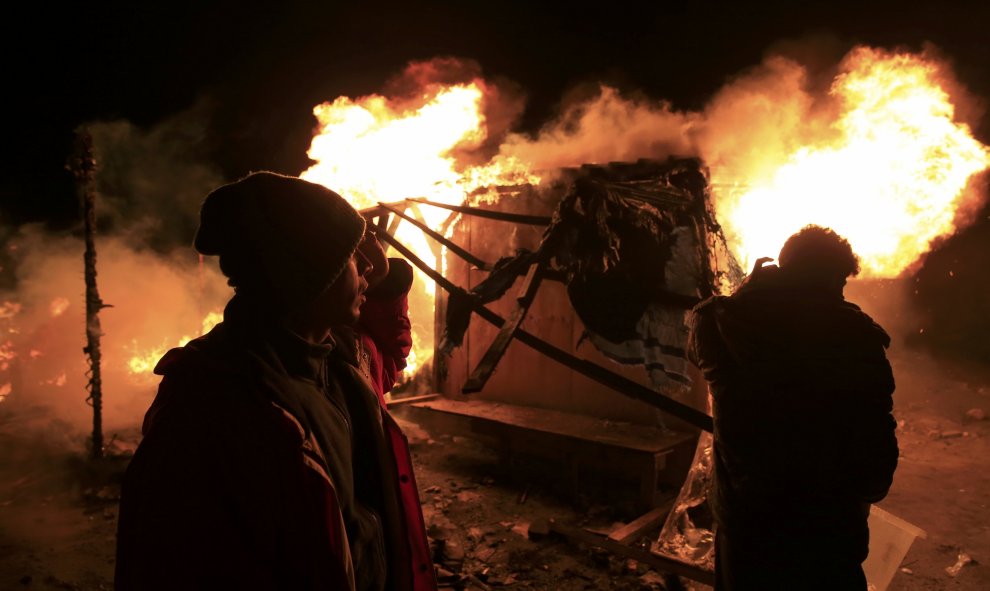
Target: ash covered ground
(58, 511)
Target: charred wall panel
(525, 377)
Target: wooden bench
(650, 455)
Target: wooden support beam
(383, 222)
(454, 248)
(412, 399)
(517, 218)
(588, 369)
(486, 367)
(666, 564)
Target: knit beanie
(281, 240)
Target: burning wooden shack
(561, 320)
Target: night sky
(264, 65)
(267, 64)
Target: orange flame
(142, 362)
(7, 354)
(8, 310)
(890, 179)
(58, 306)
(889, 171)
(375, 150)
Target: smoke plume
(150, 183)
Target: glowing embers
(890, 176)
(7, 355)
(58, 306)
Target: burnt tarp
(637, 245)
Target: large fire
(889, 172)
(890, 176)
(889, 168)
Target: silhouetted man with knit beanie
(804, 437)
(268, 461)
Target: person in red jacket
(266, 462)
(381, 342)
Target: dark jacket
(802, 400)
(264, 465)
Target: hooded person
(265, 462)
(804, 437)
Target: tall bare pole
(83, 167)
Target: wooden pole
(84, 167)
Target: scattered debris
(952, 434)
(467, 496)
(907, 571)
(652, 580)
(963, 560)
(475, 534)
(538, 529)
(524, 495)
(977, 414)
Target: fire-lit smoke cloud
(870, 145)
(153, 298)
(606, 128)
(891, 173)
(150, 183)
(879, 154)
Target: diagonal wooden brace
(454, 248)
(486, 367)
(593, 371)
(516, 218)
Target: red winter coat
(385, 342)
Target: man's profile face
(341, 302)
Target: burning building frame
(631, 247)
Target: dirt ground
(58, 512)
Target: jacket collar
(297, 356)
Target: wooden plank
(412, 399)
(454, 248)
(642, 524)
(662, 563)
(532, 220)
(631, 436)
(485, 368)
